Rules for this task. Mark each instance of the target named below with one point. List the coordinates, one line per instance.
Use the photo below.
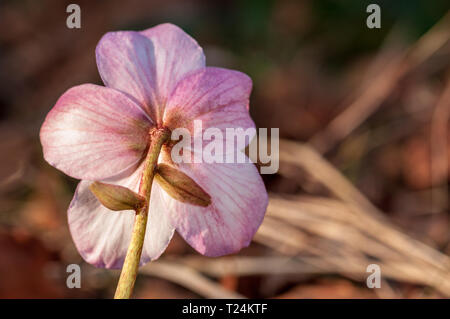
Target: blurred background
(363, 116)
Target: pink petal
(94, 132)
(239, 201)
(126, 62)
(176, 55)
(102, 236)
(148, 65)
(218, 97)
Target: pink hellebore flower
(153, 78)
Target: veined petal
(239, 201)
(94, 132)
(176, 54)
(126, 62)
(219, 98)
(102, 236)
(149, 64)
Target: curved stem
(133, 257)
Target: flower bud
(117, 197)
(180, 186)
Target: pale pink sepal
(94, 132)
(177, 54)
(126, 62)
(149, 64)
(102, 236)
(217, 97)
(239, 201)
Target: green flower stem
(133, 257)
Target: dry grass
(341, 235)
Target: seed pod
(117, 197)
(180, 186)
